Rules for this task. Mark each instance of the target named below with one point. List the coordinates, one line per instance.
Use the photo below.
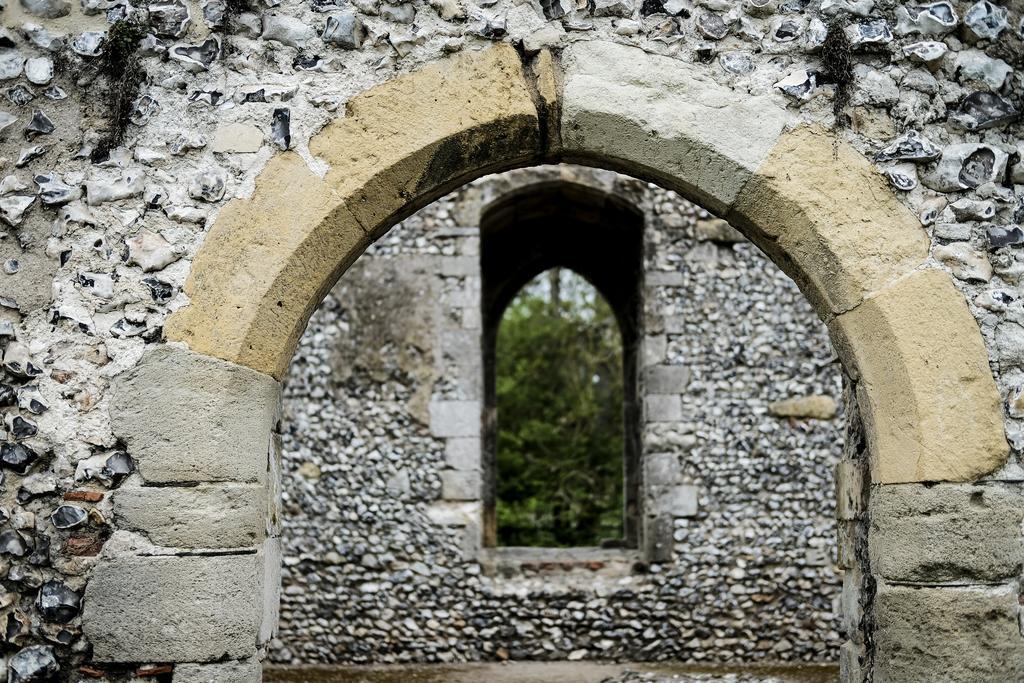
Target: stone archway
(905, 335)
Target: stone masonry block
(662, 469)
(680, 500)
(666, 379)
(691, 134)
(663, 407)
(926, 395)
(823, 213)
(455, 418)
(187, 417)
(949, 533)
(246, 671)
(460, 485)
(173, 609)
(463, 453)
(956, 635)
(203, 516)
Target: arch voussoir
(269, 259)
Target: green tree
(559, 384)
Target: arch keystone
(929, 404)
(664, 119)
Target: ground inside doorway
(555, 672)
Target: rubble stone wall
(382, 512)
(179, 196)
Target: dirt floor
(553, 672)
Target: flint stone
(911, 146)
(170, 19)
(48, 9)
(400, 13)
(983, 109)
(204, 516)
(39, 70)
(932, 19)
(33, 664)
(131, 184)
(972, 634)
(11, 64)
(974, 66)
(189, 417)
(946, 533)
(173, 609)
(986, 20)
(150, 251)
(965, 166)
(966, 263)
(926, 51)
(344, 29)
(88, 43)
(287, 30)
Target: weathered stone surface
(959, 635)
(927, 397)
(203, 516)
(691, 134)
(455, 418)
(246, 671)
(187, 417)
(237, 137)
(400, 145)
(946, 533)
(666, 379)
(823, 214)
(173, 609)
(805, 407)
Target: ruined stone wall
(119, 154)
(377, 569)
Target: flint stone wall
(98, 247)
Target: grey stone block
(948, 634)
(666, 379)
(662, 469)
(187, 417)
(655, 348)
(269, 564)
(657, 539)
(247, 671)
(173, 609)
(679, 500)
(204, 516)
(455, 418)
(948, 533)
(463, 453)
(460, 484)
(849, 483)
(663, 408)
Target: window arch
(562, 225)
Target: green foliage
(559, 385)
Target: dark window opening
(561, 270)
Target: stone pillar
(194, 572)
